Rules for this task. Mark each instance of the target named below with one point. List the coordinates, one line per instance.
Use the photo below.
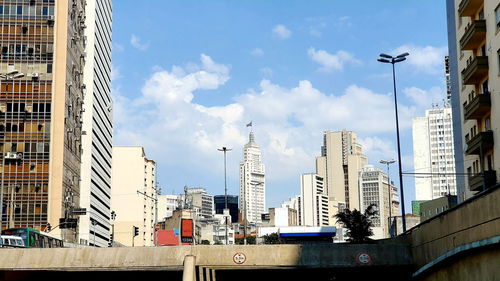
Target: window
(497, 16)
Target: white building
(167, 204)
(134, 192)
(199, 200)
(97, 126)
(314, 201)
(295, 204)
(434, 154)
(252, 182)
(374, 189)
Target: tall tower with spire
(252, 182)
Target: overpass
(207, 262)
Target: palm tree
(358, 224)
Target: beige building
(474, 47)
(314, 201)
(133, 195)
(42, 45)
(339, 164)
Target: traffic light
(136, 231)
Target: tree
(205, 242)
(358, 224)
(272, 238)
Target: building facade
(167, 204)
(232, 205)
(199, 200)
(475, 82)
(252, 182)
(339, 164)
(97, 126)
(374, 189)
(134, 194)
(42, 45)
(434, 154)
(314, 201)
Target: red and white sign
(363, 258)
(239, 258)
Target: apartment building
(314, 201)
(474, 48)
(42, 47)
(434, 154)
(134, 195)
(339, 164)
(97, 126)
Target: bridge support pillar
(206, 274)
(189, 272)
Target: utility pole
(156, 213)
(225, 149)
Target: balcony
(476, 70)
(474, 35)
(482, 141)
(476, 181)
(477, 107)
(468, 8)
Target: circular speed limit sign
(239, 258)
(363, 258)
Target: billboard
(187, 232)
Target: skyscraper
(339, 164)
(314, 201)
(40, 131)
(97, 117)
(252, 182)
(433, 154)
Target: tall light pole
(389, 162)
(7, 76)
(384, 58)
(225, 149)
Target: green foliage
(358, 224)
(251, 240)
(272, 238)
(205, 242)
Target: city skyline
(295, 74)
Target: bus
(34, 238)
(9, 241)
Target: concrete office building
(434, 154)
(283, 216)
(97, 126)
(199, 200)
(474, 46)
(314, 201)
(339, 164)
(42, 47)
(252, 182)
(134, 193)
(374, 189)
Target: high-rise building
(40, 131)
(232, 205)
(167, 204)
(133, 196)
(199, 200)
(252, 182)
(97, 118)
(433, 154)
(314, 201)
(339, 164)
(374, 189)
(474, 69)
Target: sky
(187, 76)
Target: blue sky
(188, 76)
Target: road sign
(239, 258)
(363, 258)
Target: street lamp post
(384, 58)
(7, 76)
(389, 162)
(225, 149)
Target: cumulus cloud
(426, 59)
(281, 31)
(137, 43)
(330, 62)
(289, 122)
(425, 98)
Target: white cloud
(426, 59)
(135, 41)
(330, 61)
(257, 52)
(425, 98)
(281, 31)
